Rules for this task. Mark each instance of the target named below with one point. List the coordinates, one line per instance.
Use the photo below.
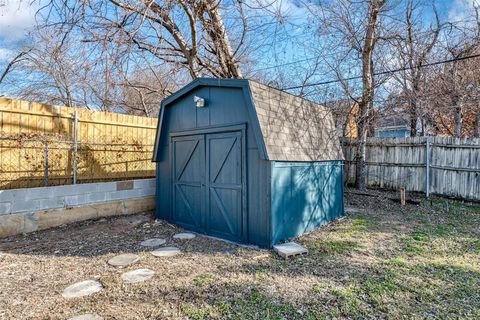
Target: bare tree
(19, 57)
(61, 70)
(414, 47)
(365, 105)
(456, 85)
(455, 95)
(57, 70)
(142, 92)
(188, 34)
(353, 30)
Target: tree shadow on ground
(105, 236)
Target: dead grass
(388, 262)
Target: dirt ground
(382, 262)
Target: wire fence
(40, 161)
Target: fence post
(75, 146)
(427, 166)
(45, 169)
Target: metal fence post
(427, 166)
(45, 169)
(75, 146)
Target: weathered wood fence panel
(452, 164)
(37, 146)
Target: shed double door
(208, 181)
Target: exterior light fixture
(199, 102)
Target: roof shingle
(294, 129)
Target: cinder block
(289, 249)
(18, 223)
(5, 208)
(75, 189)
(97, 196)
(24, 205)
(77, 200)
(144, 183)
(106, 186)
(34, 193)
(51, 203)
(152, 183)
(140, 184)
(124, 185)
(131, 194)
(6, 195)
(147, 192)
(116, 195)
(11, 224)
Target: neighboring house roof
(287, 127)
(341, 105)
(391, 123)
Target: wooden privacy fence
(440, 165)
(42, 145)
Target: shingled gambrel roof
(287, 127)
(294, 129)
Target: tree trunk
(360, 151)
(458, 117)
(413, 120)
(366, 102)
(476, 127)
(413, 108)
(219, 36)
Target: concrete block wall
(27, 210)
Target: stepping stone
(155, 242)
(87, 316)
(123, 260)
(184, 236)
(81, 289)
(138, 275)
(166, 252)
(289, 249)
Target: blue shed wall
(305, 195)
(224, 106)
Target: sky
(17, 17)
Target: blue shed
(246, 162)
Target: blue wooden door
(224, 185)
(188, 165)
(208, 183)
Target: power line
(385, 72)
(285, 64)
